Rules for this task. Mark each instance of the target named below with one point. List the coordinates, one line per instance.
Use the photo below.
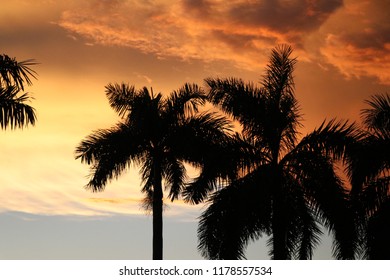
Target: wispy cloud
(144, 77)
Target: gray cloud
(284, 16)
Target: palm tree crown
(159, 135)
(291, 187)
(369, 172)
(14, 112)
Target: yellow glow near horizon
(84, 46)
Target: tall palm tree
(292, 186)
(14, 112)
(369, 171)
(159, 135)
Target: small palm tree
(14, 112)
(369, 171)
(159, 135)
(291, 187)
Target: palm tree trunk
(157, 216)
(279, 229)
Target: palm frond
(146, 113)
(147, 202)
(196, 191)
(374, 195)
(369, 161)
(203, 141)
(194, 136)
(377, 117)
(371, 157)
(289, 122)
(14, 73)
(147, 170)
(14, 112)
(220, 228)
(309, 235)
(186, 100)
(328, 198)
(378, 231)
(175, 176)
(269, 114)
(236, 215)
(228, 225)
(282, 107)
(120, 97)
(303, 232)
(110, 152)
(278, 79)
(332, 138)
(222, 163)
(243, 101)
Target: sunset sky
(343, 50)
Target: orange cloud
(354, 61)
(242, 32)
(362, 46)
(239, 31)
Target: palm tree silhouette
(159, 135)
(369, 167)
(14, 112)
(291, 187)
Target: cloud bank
(241, 31)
